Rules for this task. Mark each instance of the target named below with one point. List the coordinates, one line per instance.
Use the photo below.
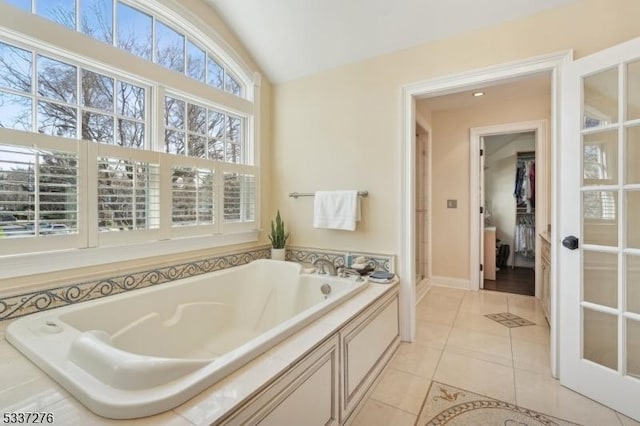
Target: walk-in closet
(510, 206)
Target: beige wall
(451, 174)
(342, 128)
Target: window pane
(97, 91)
(234, 153)
(15, 68)
(97, 127)
(173, 113)
(58, 188)
(195, 61)
(22, 4)
(134, 31)
(192, 196)
(60, 11)
(169, 47)
(15, 112)
(216, 124)
(130, 101)
(96, 19)
(130, 134)
(197, 146)
(17, 190)
(232, 192)
(216, 149)
(196, 119)
(231, 85)
(215, 73)
(239, 197)
(125, 200)
(174, 142)
(58, 120)
(57, 80)
(234, 129)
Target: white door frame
(542, 173)
(452, 84)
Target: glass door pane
(633, 90)
(600, 283)
(601, 338)
(633, 284)
(601, 185)
(633, 348)
(600, 92)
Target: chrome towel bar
(311, 194)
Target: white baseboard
(451, 282)
(422, 288)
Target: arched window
(121, 122)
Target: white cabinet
(367, 343)
(306, 394)
(327, 385)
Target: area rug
(448, 405)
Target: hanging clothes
(532, 183)
(525, 238)
(524, 186)
(517, 191)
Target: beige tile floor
(457, 345)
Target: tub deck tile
(213, 403)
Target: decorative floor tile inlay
(448, 405)
(510, 320)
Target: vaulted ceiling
(294, 38)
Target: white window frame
(41, 36)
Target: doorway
(509, 212)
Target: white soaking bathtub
(147, 351)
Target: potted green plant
(278, 238)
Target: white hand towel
(336, 210)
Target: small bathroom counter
(26, 388)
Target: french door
(599, 281)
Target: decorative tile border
(28, 303)
(309, 255)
